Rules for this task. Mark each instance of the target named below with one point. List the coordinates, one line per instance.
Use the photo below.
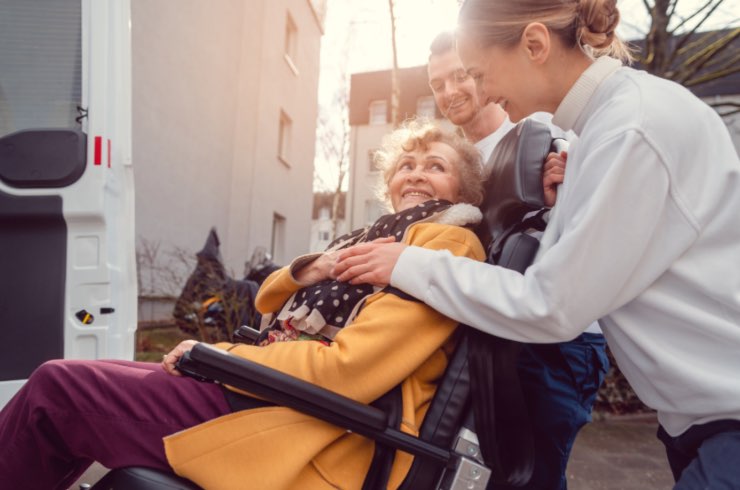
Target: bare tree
(395, 83)
(161, 272)
(333, 130)
(680, 49)
(333, 138)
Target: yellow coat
(391, 340)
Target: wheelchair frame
(448, 452)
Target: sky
(357, 37)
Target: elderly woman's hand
(318, 270)
(169, 361)
(553, 174)
(369, 263)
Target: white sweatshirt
(645, 236)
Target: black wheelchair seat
(143, 479)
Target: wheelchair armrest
(208, 362)
(246, 335)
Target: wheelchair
(476, 430)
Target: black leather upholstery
(446, 414)
(514, 188)
(143, 479)
(514, 184)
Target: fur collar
(461, 214)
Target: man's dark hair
(443, 42)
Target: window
(41, 60)
(284, 131)
(378, 112)
(277, 242)
(291, 43)
(425, 107)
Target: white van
(67, 259)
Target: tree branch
(690, 35)
(683, 22)
(693, 64)
(715, 75)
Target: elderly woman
(360, 342)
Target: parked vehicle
(67, 248)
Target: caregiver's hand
(369, 263)
(553, 175)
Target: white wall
(209, 82)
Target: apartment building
(323, 227)
(224, 124)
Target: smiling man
(456, 96)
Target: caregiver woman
(645, 235)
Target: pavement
(612, 453)
(619, 453)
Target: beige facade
(363, 203)
(224, 124)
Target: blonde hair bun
(588, 24)
(598, 20)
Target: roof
(376, 85)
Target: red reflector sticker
(98, 150)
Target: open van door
(67, 247)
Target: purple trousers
(71, 413)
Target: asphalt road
(619, 453)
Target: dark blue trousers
(560, 382)
(705, 456)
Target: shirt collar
(580, 93)
(487, 144)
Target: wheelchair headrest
(513, 187)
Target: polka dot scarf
(320, 311)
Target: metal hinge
(469, 472)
